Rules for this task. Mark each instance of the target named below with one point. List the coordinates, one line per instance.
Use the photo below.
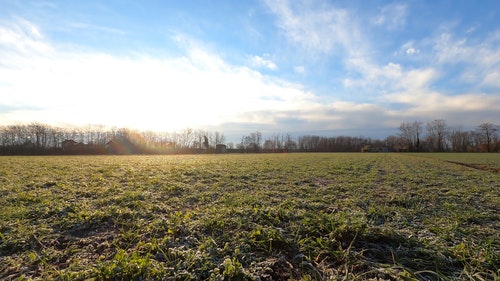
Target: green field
(250, 217)
(481, 161)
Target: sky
(357, 68)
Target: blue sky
(327, 67)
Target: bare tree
(274, 143)
(219, 138)
(437, 132)
(394, 143)
(269, 145)
(205, 142)
(488, 134)
(39, 135)
(411, 133)
(289, 143)
(251, 142)
(185, 138)
(460, 140)
(199, 139)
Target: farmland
(480, 161)
(246, 217)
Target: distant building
(69, 145)
(121, 145)
(220, 148)
(369, 148)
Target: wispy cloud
(258, 61)
(492, 79)
(481, 59)
(409, 49)
(414, 89)
(323, 28)
(45, 4)
(392, 16)
(314, 26)
(299, 69)
(23, 36)
(93, 27)
(326, 32)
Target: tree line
(437, 136)
(42, 139)
(37, 138)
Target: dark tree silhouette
(205, 142)
(487, 133)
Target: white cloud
(72, 86)
(409, 49)
(414, 89)
(417, 79)
(450, 50)
(392, 16)
(316, 27)
(471, 29)
(258, 61)
(23, 37)
(479, 60)
(492, 80)
(373, 76)
(41, 81)
(93, 27)
(412, 51)
(392, 71)
(299, 69)
(466, 108)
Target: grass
(249, 217)
(480, 161)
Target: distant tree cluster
(38, 139)
(435, 136)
